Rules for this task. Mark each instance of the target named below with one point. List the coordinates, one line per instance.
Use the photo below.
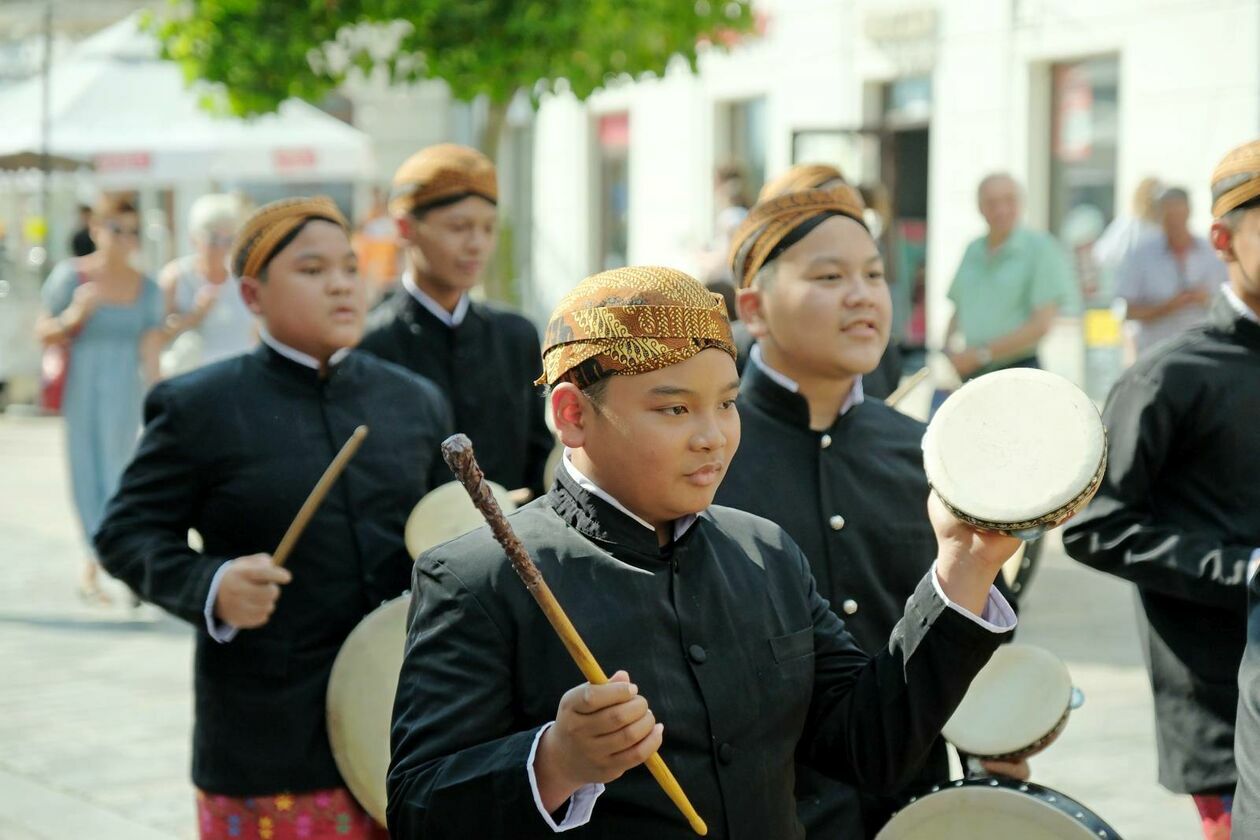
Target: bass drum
(997, 808)
(361, 702)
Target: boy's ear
(403, 226)
(1222, 241)
(751, 306)
(250, 288)
(569, 410)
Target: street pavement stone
(95, 703)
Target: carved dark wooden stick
(458, 452)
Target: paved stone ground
(95, 703)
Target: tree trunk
(492, 131)
(500, 273)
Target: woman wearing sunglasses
(202, 301)
(108, 317)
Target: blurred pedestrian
(202, 300)
(81, 243)
(1008, 288)
(730, 206)
(108, 316)
(1126, 230)
(1168, 280)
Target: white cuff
(998, 617)
(1252, 565)
(218, 630)
(581, 803)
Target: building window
(612, 139)
(741, 139)
(1085, 133)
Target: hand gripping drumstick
(314, 500)
(458, 452)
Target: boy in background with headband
(484, 357)
(232, 450)
(841, 473)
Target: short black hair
(596, 392)
(419, 211)
(1173, 194)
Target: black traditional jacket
(725, 634)
(1178, 514)
(486, 367)
(232, 450)
(854, 498)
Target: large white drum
(365, 674)
(445, 513)
(1017, 451)
(361, 702)
(1016, 706)
(1001, 809)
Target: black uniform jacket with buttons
(1178, 514)
(486, 367)
(854, 498)
(232, 450)
(726, 636)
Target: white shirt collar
(1239, 305)
(680, 525)
(297, 355)
(856, 397)
(451, 319)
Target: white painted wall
(1189, 90)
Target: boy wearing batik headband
(883, 379)
(1178, 514)
(232, 450)
(710, 614)
(840, 472)
(484, 357)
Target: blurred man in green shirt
(1008, 288)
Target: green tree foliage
(261, 52)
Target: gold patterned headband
(260, 236)
(443, 171)
(629, 321)
(1236, 179)
(770, 222)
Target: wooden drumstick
(458, 452)
(904, 389)
(317, 495)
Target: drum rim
(1033, 748)
(1048, 520)
(1073, 807)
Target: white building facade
(1078, 99)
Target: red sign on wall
(123, 162)
(291, 160)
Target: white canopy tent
(115, 103)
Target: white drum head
(361, 702)
(1014, 446)
(1016, 700)
(445, 513)
(989, 809)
